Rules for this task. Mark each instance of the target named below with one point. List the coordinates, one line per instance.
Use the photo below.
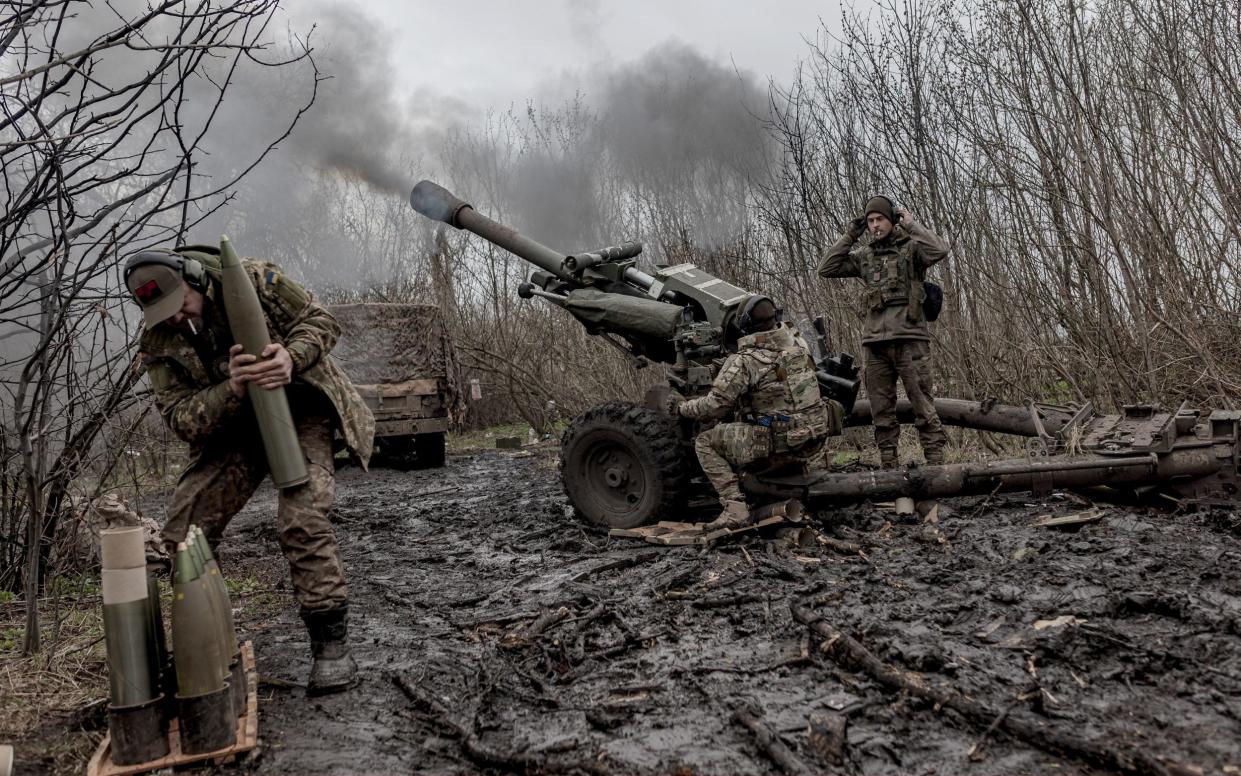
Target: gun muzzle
(437, 203)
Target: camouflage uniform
(771, 380)
(188, 374)
(895, 332)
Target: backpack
(932, 301)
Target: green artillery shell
(131, 655)
(271, 407)
(197, 543)
(195, 640)
(221, 591)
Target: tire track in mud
(495, 632)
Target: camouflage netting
(392, 343)
(81, 540)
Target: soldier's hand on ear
(857, 227)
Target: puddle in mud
(1124, 632)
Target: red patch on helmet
(148, 291)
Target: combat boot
(887, 458)
(334, 668)
(934, 456)
(735, 515)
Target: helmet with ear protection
(754, 314)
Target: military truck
(402, 362)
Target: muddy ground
(649, 658)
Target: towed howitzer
(624, 464)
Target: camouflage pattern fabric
(910, 361)
(220, 482)
(892, 271)
(770, 381)
(90, 518)
(728, 448)
(187, 372)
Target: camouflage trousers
(726, 449)
(220, 482)
(909, 360)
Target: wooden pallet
(669, 533)
(247, 735)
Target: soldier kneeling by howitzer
(200, 379)
(770, 384)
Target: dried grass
(51, 704)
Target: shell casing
(285, 459)
(133, 671)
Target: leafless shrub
(105, 108)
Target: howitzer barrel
(438, 203)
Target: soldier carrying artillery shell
(201, 379)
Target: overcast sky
(494, 53)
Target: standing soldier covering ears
(891, 258)
(200, 379)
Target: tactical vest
(786, 397)
(889, 280)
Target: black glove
(674, 402)
(857, 227)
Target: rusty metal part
(1193, 454)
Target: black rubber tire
(429, 451)
(623, 465)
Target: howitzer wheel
(622, 465)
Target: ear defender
(194, 274)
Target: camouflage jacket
(189, 373)
(771, 381)
(892, 271)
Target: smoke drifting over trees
(1078, 157)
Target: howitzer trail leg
(880, 378)
(214, 489)
(914, 365)
(306, 535)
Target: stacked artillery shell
(136, 718)
(204, 698)
(271, 407)
(224, 611)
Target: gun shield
(285, 458)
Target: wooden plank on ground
(1070, 521)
